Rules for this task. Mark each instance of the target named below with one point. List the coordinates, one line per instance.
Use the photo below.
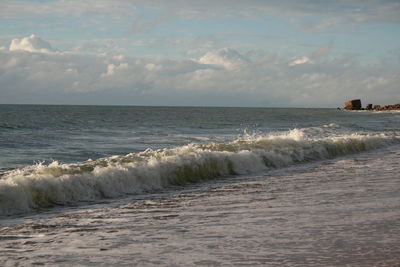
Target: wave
(42, 185)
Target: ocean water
(179, 186)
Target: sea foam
(44, 185)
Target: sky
(253, 53)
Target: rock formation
(387, 107)
(353, 105)
(356, 105)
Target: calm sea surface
(177, 185)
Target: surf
(46, 185)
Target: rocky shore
(356, 105)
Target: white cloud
(227, 58)
(31, 44)
(299, 61)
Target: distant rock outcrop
(356, 105)
(387, 107)
(353, 105)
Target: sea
(198, 186)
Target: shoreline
(319, 214)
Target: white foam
(43, 185)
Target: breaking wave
(44, 185)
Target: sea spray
(44, 185)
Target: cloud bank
(30, 74)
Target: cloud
(31, 44)
(227, 58)
(340, 15)
(299, 61)
(112, 68)
(223, 77)
(319, 53)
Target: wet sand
(335, 213)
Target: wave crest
(43, 185)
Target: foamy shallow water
(337, 212)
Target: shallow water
(334, 213)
